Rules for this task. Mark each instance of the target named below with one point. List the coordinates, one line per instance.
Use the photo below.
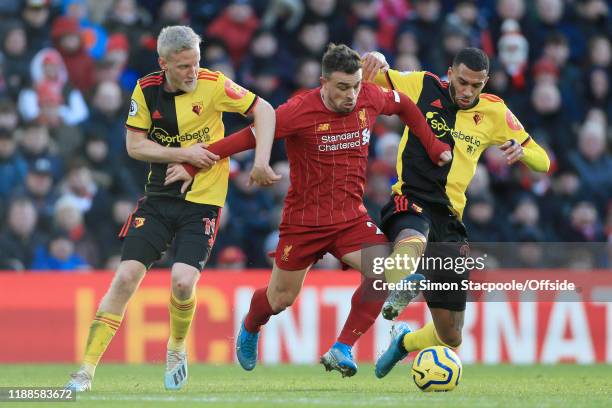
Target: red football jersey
(328, 154)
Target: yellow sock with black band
(425, 337)
(407, 251)
(101, 332)
(181, 316)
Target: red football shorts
(300, 246)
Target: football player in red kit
(327, 132)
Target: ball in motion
(436, 369)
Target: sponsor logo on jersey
(440, 129)
(162, 137)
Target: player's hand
(445, 158)
(263, 176)
(372, 62)
(513, 151)
(198, 156)
(176, 172)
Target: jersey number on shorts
(209, 225)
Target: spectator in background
(593, 163)
(583, 226)
(525, 221)
(19, 238)
(16, 62)
(481, 221)
(9, 118)
(264, 51)
(39, 189)
(35, 15)
(50, 80)
(68, 221)
(594, 17)
(68, 41)
(13, 168)
(308, 74)
(507, 10)
(551, 17)
(231, 258)
(427, 22)
(288, 12)
(252, 214)
(599, 92)
(236, 25)
(113, 66)
(467, 18)
(107, 117)
(35, 144)
(566, 190)
(106, 167)
(311, 40)
(80, 189)
(332, 16)
(407, 62)
(513, 50)
(600, 52)
(59, 255)
(93, 34)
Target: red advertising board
(45, 318)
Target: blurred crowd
(67, 68)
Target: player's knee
(126, 280)
(182, 288)
(282, 300)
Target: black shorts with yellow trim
(157, 221)
(446, 237)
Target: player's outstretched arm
(409, 113)
(265, 121)
(141, 148)
(529, 152)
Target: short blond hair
(174, 39)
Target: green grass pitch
(297, 386)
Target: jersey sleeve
(231, 97)
(408, 82)
(139, 118)
(386, 101)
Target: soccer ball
(436, 369)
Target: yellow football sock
(181, 315)
(101, 332)
(408, 250)
(425, 337)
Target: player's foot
(79, 381)
(398, 299)
(246, 348)
(340, 358)
(176, 370)
(394, 353)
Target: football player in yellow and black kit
(174, 114)
(427, 201)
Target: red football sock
(259, 312)
(365, 308)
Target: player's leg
(407, 223)
(145, 238)
(281, 292)
(447, 307)
(357, 245)
(195, 236)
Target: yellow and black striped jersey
(181, 119)
(468, 131)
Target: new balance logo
(156, 115)
(437, 104)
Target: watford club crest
(197, 107)
(286, 252)
(477, 118)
